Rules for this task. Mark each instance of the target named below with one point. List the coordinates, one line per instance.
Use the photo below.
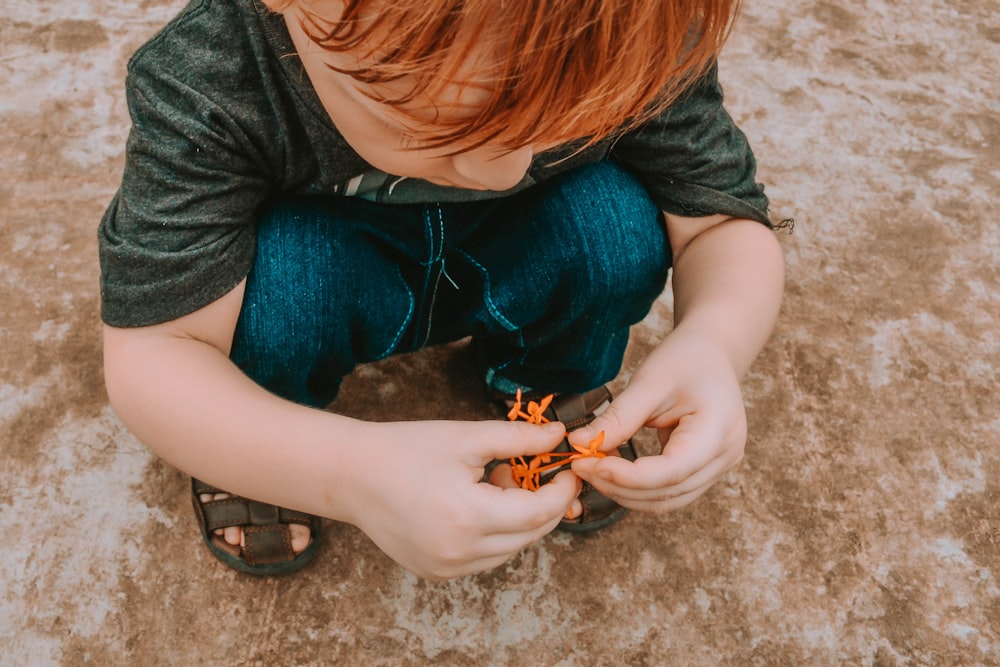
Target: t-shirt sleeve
(180, 232)
(693, 159)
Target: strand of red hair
(555, 70)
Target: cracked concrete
(863, 527)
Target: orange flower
(527, 473)
(535, 411)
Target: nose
(491, 169)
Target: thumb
(518, 438)
(620, 421)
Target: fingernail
(554, 427)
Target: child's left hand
(728, 276)
(690, 393)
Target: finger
(515, 510)
(621, 486)
(504, 546)
(695, 444)
(509, 439)
(491, 550)
(502, 475)
(463, 568)
(471, 567)
(575, 510)
(500, 549)
(665, 505)
(510, 543)
(620, 421)
(701, 442)
(647, 472)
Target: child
(316, 184)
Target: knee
(619, 244)
(289, 284)
(274, 342)
(288, 300)
(320, 289)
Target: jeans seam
(433, 257)
(402, 327)
(487, 296)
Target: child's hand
(728, 276)
(420, 497)
(690, 393)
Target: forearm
(728, 282)
(192, 407)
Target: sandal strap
(596, 506)
(576, 410)
(238, 511)
(263, 545)
(265, 527)
(243, 511)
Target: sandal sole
(270, 569)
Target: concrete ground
(863, 527)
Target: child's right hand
(419, 495)
(415, 488)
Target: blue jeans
(546, 281)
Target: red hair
(563, 69)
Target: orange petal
(515, 410)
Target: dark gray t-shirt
(225, 119)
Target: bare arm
(175, 388)
(728, 281)
(413, 488)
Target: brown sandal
(575, 411)
(267, 546)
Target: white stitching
(433, 259)
(487, 299)
(406, 321)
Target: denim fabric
(546, 281)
